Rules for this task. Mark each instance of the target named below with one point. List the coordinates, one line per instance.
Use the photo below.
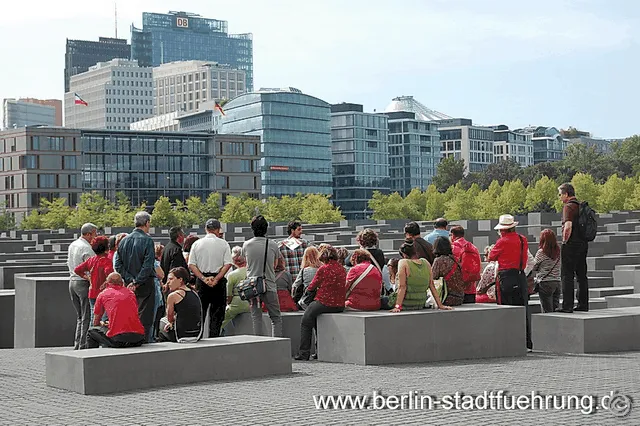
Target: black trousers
(469, 298)
(98, 336)
(514, 292)
(146, 297)
(309, 321)
(216, 298)
(574, 266)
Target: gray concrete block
(7, 315)
(421, 336)
(594, 303)
(109, 370)
(242, 324)
(604, 330)
(8, 272)
(623, 301)
(44, 315)
(610, 291)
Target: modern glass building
(82, 54)
(462, 140)
(295, 132)
(548, 143)
(182, 36)
(510, 144)
(19, 113)
(360, 152)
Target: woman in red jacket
(364, 283)
(330, 284)
(96, 268)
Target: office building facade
(161, 123)
(602, 146)
(548, 143)
(82, 54)
(295, 131)
(58, 162)
(39, 162)
(462, 140)
(183, 86)
(182, 36)
(360, 158)
(19, 113)
(509, 144)
(117, 93)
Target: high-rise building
(183, 86)
(82, 54)
(21, 113)
(462, 140)
(510, 144)
(414, 144)
(55, 103)
(60, 162)
(360, 151)
(295, 131)
(117, 93)
(548, 143)
(182, 36)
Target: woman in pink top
(365, 295)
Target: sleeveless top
(188, 316)
(417, 285)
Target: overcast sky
(544, 62)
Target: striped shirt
(547, 269)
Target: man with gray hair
(135, 263)
(79, 251)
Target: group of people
(128, 290)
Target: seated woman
(343, 254)
(445, 266)
(308, 269)
(235, 305)
(364, 283)
(284, 284)
(413, 280)
(96, 269)
(486, 288)
(368, 240)
(183, 322)
(329, 282)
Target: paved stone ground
(25, 398)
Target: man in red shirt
(463, 248)
(123, 328)
(511, 253)
(574, 253)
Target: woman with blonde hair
(310, 264)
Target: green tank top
(417, 285)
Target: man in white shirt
(209, 261)
(79, 251)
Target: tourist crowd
(127, 290)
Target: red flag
(219, 108)
(79, 100)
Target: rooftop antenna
(115, 8)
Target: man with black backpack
(578, 228)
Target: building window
(47, 181)
(69, 162)
(28, 162)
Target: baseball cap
(213, 224)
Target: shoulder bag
(253, 287)
(357, 281)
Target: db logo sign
(182, 22)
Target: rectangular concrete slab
(422, 336)
(603, 330)
(624, 301)
(110, 370)
(7, 314)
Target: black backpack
(587, 221)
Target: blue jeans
(92, 302)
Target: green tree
(434, 203)
(502, 171)
(633, 201)
(626, 156)
(163, 213)
(512, 197)
(55, 213)
(583, 159)
(93, 208)
(240, 209)
(586, 190)
(541, 196)
(414, 205)
(33, 220)
(7, 220)
(463, 205)
(316, 208)
(211, 208)
(386, 207)
(486, 201)
(614, 193)
(122, 215)
(448, 173)
(284, 209)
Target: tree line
(93, 207)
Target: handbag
(531, 285)
(357, 281)
(253, 287)
(308, 297)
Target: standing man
(440, 230)
(254, 251)
(574, 253)
(293, 248)
(172, 256)
(79, 251)
(209, 261)
(424, 249)
(135, 263)
(511, 253)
